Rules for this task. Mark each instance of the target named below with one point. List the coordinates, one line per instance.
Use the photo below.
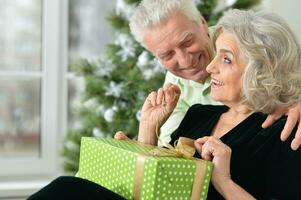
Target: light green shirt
(191, 93)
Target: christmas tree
(117, 83)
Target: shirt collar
(206, 85)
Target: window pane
(89, 32)
(20, 117)
(20, 38)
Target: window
(31, 45)
(20, 83)
(21, 73)
(38, 90)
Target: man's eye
(187, 43)
(166, 57)
(227, 60)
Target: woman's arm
(231, 190)
(211, 148)
(156, 109)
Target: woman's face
(226, 70)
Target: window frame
(53, 102)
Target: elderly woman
(256, 68)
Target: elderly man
(177, 34)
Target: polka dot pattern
(112, 164)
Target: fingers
(292, 120)
(160, 97)
(168, 94)
(297, 140)
(119, 135)
(172, 93)
(274, 116)
(220, 154)
(207, 153)
(270, 120)
(209, 147)
(176, 89)
(202, 140)
(199, 144)
(156, 98)
(204, 147)
(198, 147)
(153, 98)
(294, 115)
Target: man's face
(182, 46)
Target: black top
(261, 163)
(73, 188)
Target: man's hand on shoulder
(293, 113)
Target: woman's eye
(227, 60)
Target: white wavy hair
(272, 75)
(151, 13)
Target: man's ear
(204, 24)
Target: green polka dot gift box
(131, 170)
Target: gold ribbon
(139, 176)
(184, 147)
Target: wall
(290, 10)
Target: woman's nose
(212, 68)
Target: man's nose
(184, 59)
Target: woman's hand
(211, 148)
(156, 109)
(119, 135)
(159, 105)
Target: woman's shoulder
(275, 131)
(284, 173)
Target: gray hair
(272, 76)
(151, 13)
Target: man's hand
(293, 113)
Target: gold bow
(184, 148)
